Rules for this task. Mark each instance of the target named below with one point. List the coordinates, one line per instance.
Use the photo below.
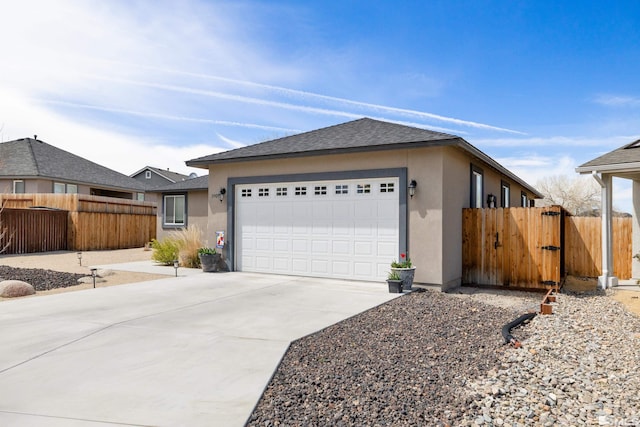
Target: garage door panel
(343, 229)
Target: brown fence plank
(34, 230)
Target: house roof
(355, 136)
(32, 158)
(199, 183)
(164, 173)
(623, 159)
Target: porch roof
(623, 162)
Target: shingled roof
(199, 183)
(355, 136)
(620, 158)
(32, 158)
(165, 173)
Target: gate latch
(551, 248)
(551, 213)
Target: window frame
(19, 181)
(174, 196)
(524, 200)
(475, 172)
(505, 194)
(147, 175)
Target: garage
(345, 228)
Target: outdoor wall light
(412, 187)
(220, 194)
(94, 273)
(80, 257)
(491, 201)
(176, 264)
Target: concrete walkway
(195, 350)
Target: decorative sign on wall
(219, 239)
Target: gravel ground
(403, 363)
(435, 359)
(40, 279)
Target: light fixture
(491, 201)
(80, 257)
(412, 187)
(176, 264)
(94, 273)
(220, 194)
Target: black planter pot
(210, 262)
(395, 286)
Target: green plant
(165, 251)
(207, 251)
(405, 263)
(393, 275)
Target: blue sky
(541, 86)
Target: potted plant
(209, 259)
(405, 270)
(395, 283)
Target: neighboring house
(346, 200)
(623, 162)
(181, 204)
(29, 165)
(152, 177)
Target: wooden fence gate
(514, 247)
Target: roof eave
(204, 163)
(616, 167)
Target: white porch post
(607, 280)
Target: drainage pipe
(506, 329)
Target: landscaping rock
(40, 279)
(15, 288)
(104, 272)
(89, 279)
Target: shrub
(165, 251)
(207, 251)
(189, 241)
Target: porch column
(607, 280)
(635, 263)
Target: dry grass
(189, 240)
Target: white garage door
(341, 229)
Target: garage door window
(364, 189)
(301, 191)
(263, 192)
(246, 192)
(387, 187)
(174, 210)
(320, 190)
(281, 191)
(342, 189)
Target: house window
(263, 192)
(174, 210)
(524, 202)
(477, 186)
(59, 188)
(301, 191)
(363, 189)
(281, 191)
(504, 194)
(246, 192)
(147, 175)
(18, 186)
(387, 187)
(72, 189)
(140, 197)
(320, 190)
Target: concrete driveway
(186, 351)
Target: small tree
(580, 195)
(5, 235)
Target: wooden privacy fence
(96, 222)
(33, 230)
(535, 247)
(583, 246)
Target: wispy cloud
(617, 100)
(558, 141)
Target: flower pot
(406, 274)
(210, 262)
(395, 286)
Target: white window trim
(23, 186)
(164, 210)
